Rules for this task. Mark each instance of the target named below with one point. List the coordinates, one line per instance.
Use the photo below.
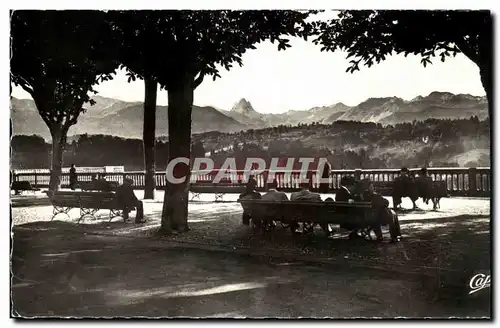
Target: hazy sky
(303, 77)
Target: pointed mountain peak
(243, 106)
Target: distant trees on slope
(346, 144)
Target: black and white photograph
(251, 163)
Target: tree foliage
(369, 36)
(176, 42)
(58, 57)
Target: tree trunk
(148, 136)
(175, 204)
(58, 144)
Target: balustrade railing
(470, 182)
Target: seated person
(249, 193)
(347, 186)
(383, 215)
(350, 191)
(305, 194)
(127, 201)
(424, 185)
(273, 194)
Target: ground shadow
(70, 274)
(445, 252)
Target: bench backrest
(99, 185)
(304, 211)
(84, 199)
(218, 188)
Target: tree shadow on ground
(69, 274)
(81, 283)
(95, 277)
(446, 252)
(60, 258)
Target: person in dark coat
(382, 214)
(424, 185)
(127, 201)
(249, 193)
(73, 177)
(325, 186)
(404, 186)
(347, 193)
(347, 185)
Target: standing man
(73, 177)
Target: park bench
(310, 214)
(219, 189)
(100, 185)
(19, 186)
(89, 203)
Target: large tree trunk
(148, 136)
(175, 204)
(58, 144)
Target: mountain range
(125, 119)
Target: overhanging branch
(199, 80)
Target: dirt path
(69, 269)
(73, 274)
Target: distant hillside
(125, 119)
(118, 118)
(391, 110)
(434, 143)
(394, 110)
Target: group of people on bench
(350, 191)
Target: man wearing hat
(127, 201)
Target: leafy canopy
(170, 44)
(369, 36)
(58, 57)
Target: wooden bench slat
(320, 212)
